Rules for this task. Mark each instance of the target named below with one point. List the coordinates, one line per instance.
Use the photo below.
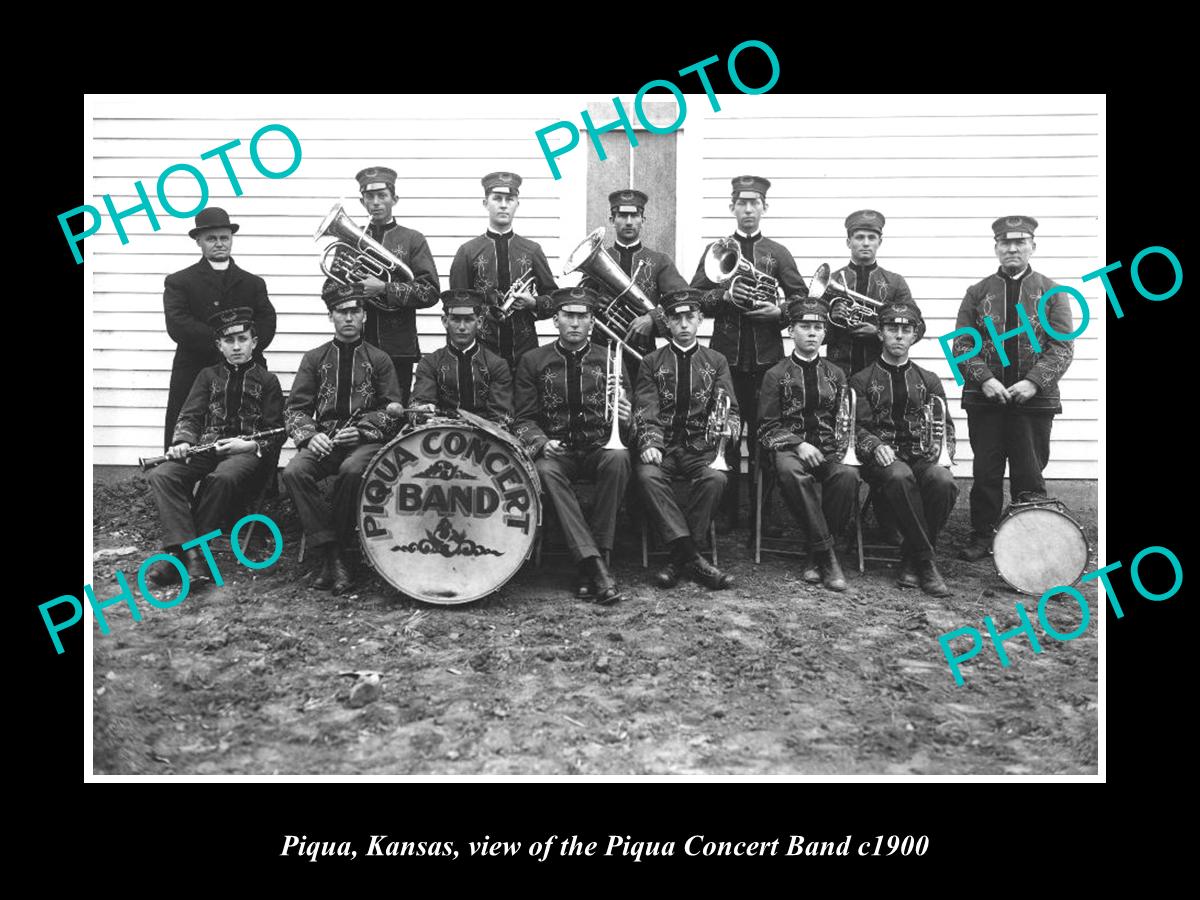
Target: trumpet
(505, 309)
(933, 431)
(718, 430)
(848, 308)
(845, 426)
(355, 255)
(149, 462)
(613, 393)
(723, 262)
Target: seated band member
(560, 418)
(497, 258)
(335, 415)
(891, 393)
(675, 393)
(391, 306)
(233, 398)
(799, 402)
(464, 374)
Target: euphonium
(613, 392)
(723, 262)
(933, 430)
(718, 428)
(847, 308)
(356, 255)
(628, 302)
(845, 426)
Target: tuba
(723, 262)
(629, 301)
(717, 430)
(355, 255)
(845, 426)
(933, 431)
(847, 308)
(613, 392)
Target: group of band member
(352, 393)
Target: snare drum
(1039, 546)
(449, 510)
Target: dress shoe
(342, 581)
(667, 576)
(197, 568)
(163, 573)
(583, 585)
(931, 579)
(812, 572)
(831, 571)
(908, 574)
(324, 579)
(705, 573)
(1030, 497)
(607, 592)
(976, 550)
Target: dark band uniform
(919, 491)
(854, 352)
(391, 323)
(560, 395)
(656, 278)
(799, 403)
(337, 383)
(1018, 434)
(474, 379)
(490, 263)
(675, 393)
(191, 297)
(226, 401)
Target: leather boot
(583, 582)
(607, 592)
(980, 546)
(705, 573)
(342, 581)
(812, 571)
(324, 579)
(908, 573)
(197, 567)
(831, 571)
(667, 576)
(162, 572)
(931, 579)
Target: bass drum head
(1039, 548)
(448, 512)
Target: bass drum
(449, 509)
(1039, 546)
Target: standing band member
(464, 374)
(746, 329)
(891, 393)
(193, 295)
(1010, 391)
(391, 306)
(560, 412)
(800, 400)
(233, 398)
(335, 415)
(676, 392)
(493, 261)
(656, 273)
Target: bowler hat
(212, 217)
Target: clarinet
(149, 462)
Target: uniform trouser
(1022, 438)
(659, 497)
(404, 375)
(302, 479)
(921, 495)
(823, 514)
(745, 388)
(611, 470)
(226, 480)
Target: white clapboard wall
(939, 168)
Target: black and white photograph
(733, 435)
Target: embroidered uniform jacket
(656, 400)
(192, 295)
(875, 420)
(489, 393)
(770, 258)
(474, 268)
(782, 400)
(313, 403)
(391, 323)
(1043, 368)
(657, 277)
(228, 401)
(560, 396)
(855, 352)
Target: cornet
(613, 393)
(718, 429)
(847, 308)
(845, 426)
(723, 262)
(355, 255)
(933, 430)
(505, 309)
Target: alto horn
(847, 308)
(628, 302)
(356, 255)
(723, 262)
(933, 429)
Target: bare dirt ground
(772, 677)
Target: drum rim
(1058, 509)
(362, 489)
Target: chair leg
(758, 515)
(858, 534)
(537, 549)
(303, 544)
(712, 540)
(645, 545)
